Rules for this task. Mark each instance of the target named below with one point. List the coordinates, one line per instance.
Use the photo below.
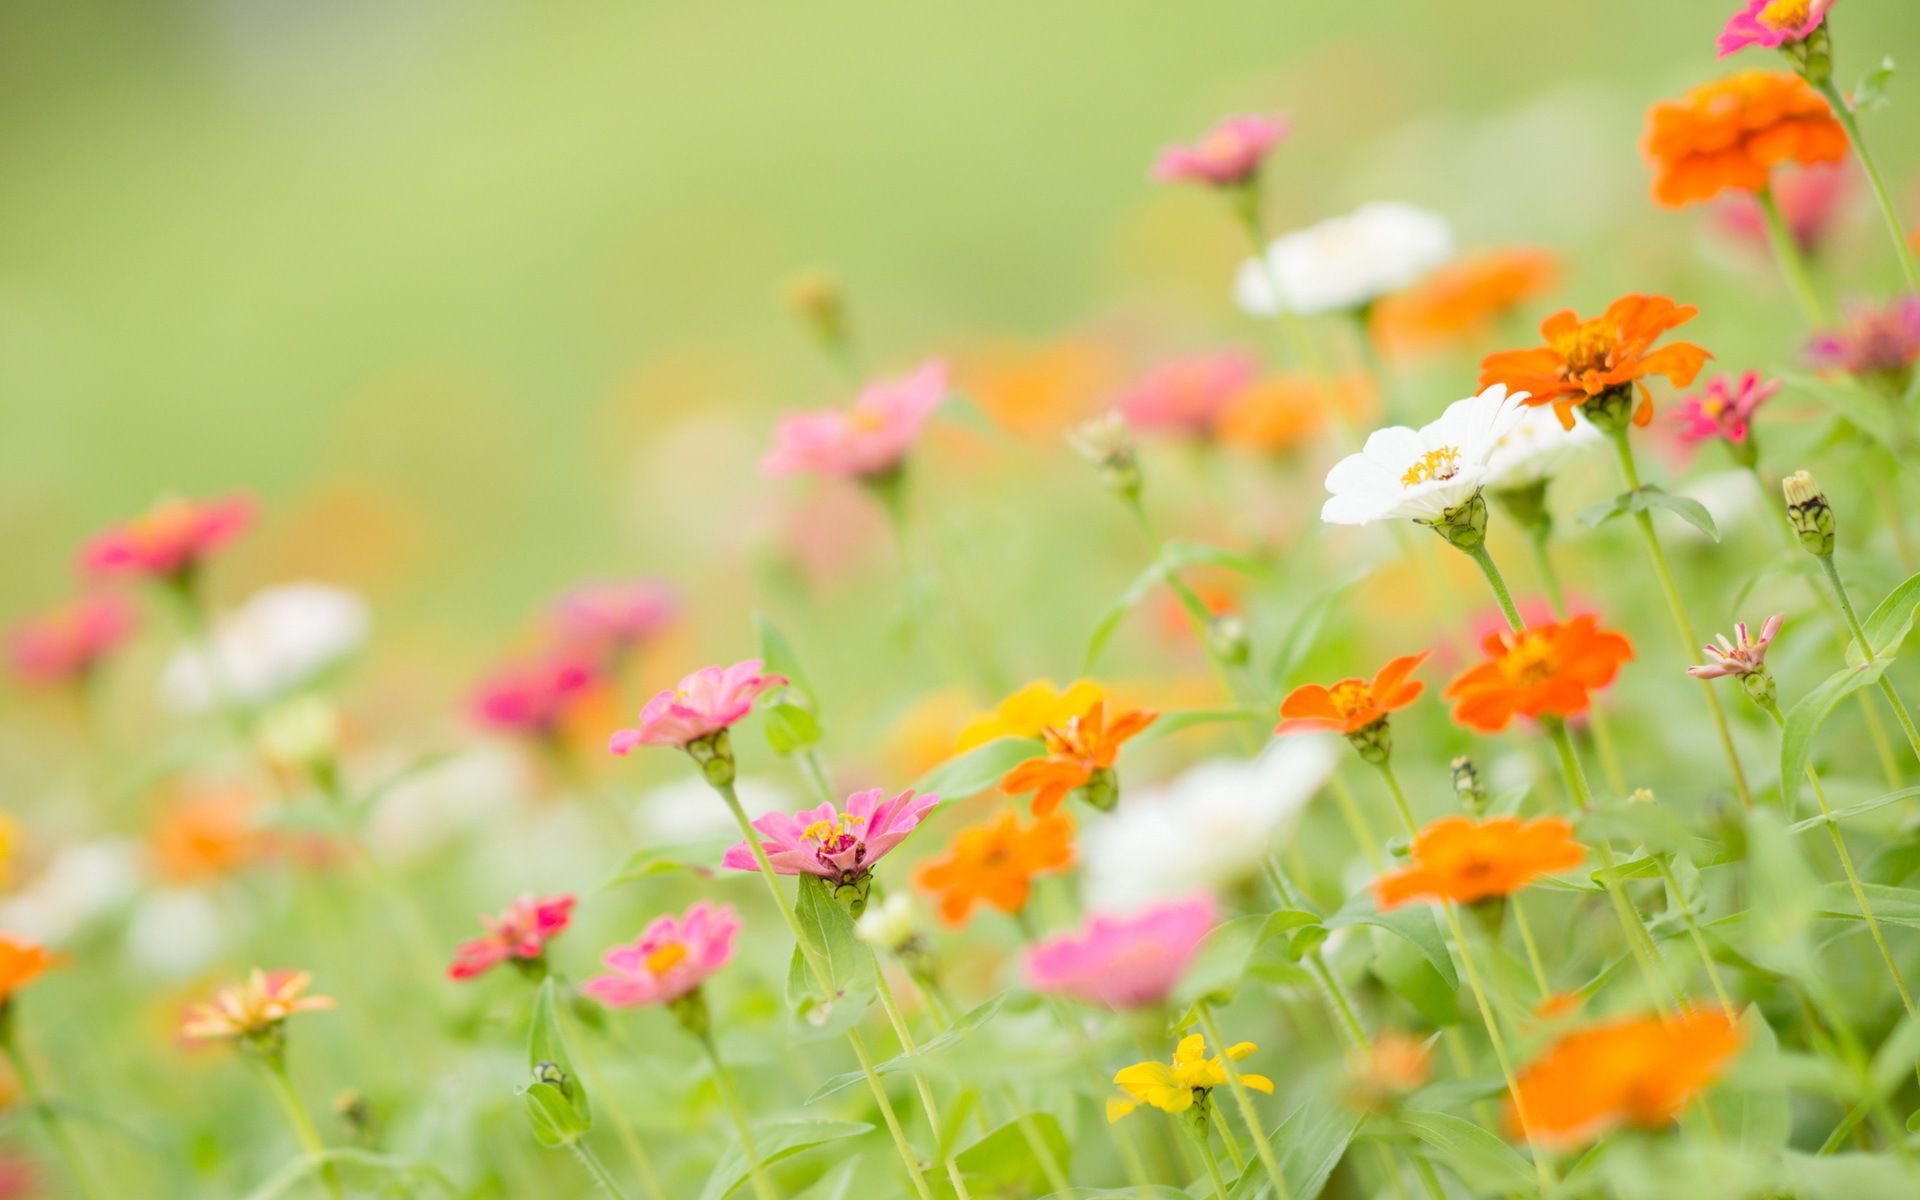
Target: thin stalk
(1294, 331)
(816, 776)
(1844, 113)
(303, 1130)
(596, 1168)
(1786, 251)
(1499, 585)
(1244, 1099)
(1492, 1023)
(1213, 1163)
(57, 1132)
(1693, 931)
(904, 1032)
(1376, 364)
(1866, 650)
(723, 1081)
(1385, 767)
(1533, 950)
(1603, 741)
(1356, 820)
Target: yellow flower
(1174, 1088)
(1029, 710)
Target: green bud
(1527, 507)
(713, 754)
(1103, 790)
(1811, 515)
(1465, 525)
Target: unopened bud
(1808, 510)
(301, 734)
(888, 925)
(814, 297)
(1107, 443)
(1227, 634)
(550, 1073)
(1467, 786)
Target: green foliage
(775, 1140)
(1646, 499)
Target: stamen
(1443, 463)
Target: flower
(533, 696)
(278, 640)
(1029, 710)
(1177, 1088)
(611, 617)
(1544, 670)
(671, 959)
(1744, 655)
(1188, 395)
(520, 933)
(1463, 299)
(889, 925)
(1642, 1071)
(1732, 132)
(1809, 198)
(253, 1010)
(1877, 346)
(1464, 860)
(840, 847)
(206, 835)
(1080, 756)
(1107, 443)
(704, 703)
(1347, 262)
(1209, 830)
(1230, 153)
(865, 442)
(169, 540)
(21, 962)
(1724, 408)
(66, 644)
(1278, 413)
(1772, 23)
(1531, 452)
(1583, 360)
(1123, 962)
(1352, 704)
(1425, 473)
(1395, 1066)
(996, 863)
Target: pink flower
(707, 701)
(1724, 408)
(1123, 962)
(672, 958)
(1744, 655)
(1878, 345)
(840, 847)
(533, 695)
(1230, 153)
(67, 643)
(612, 617)
(864, 442)
(1188, 395)
(521, 932)
(1809, 197)
(1772, 23)
(169, 540)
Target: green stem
(1533, 949)
(723, 1081)
(594, 1167)
(1786, 251)
(1356, 820)
(1385, 767)
(303, 1130)
(57, 1132)
(816, 776)
(1693, 931)
(1244, 1099)
(1294, 331)
(1866, 651)
(1844, 113)
(1499, 1043)
(1213, 1163)
(904, 1032)
(1499, 585)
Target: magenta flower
(1123, 962)
(169, 540)
(866, 442)
(840, 847)
(533, 695)
(706, 702)
(1771, 24)
(521, 932)
(1230, 153)
(1744, 655)
(1188, 395)
(65, 644)
(1809, 198)
(672, 958)
(1725, 408)
(613, 617)
(1877, 346)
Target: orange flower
(996, 863)
(1080, 755)
(1640, 1072)
(205, 836)
(255, 1008)
(1730, 133)
(21, 962)
(1584, 359)
(1543, 671)
(1352, 704)
(1463, 860)
(1030, 710)
(1282, 412)
(1463, 299)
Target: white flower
(1421, 473)
(1535, 447)
(889, 924)
(176, 932)
(82, 882)
(277, 640)
(1211, 828)
(478, 787)
(1346, 262)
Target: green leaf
(849, 963)
(660, 860)
(777, 653)
(974, 771)
(546, 1044)
(973, 1019)
(1853, 810)
(1600, 512)
(1891, 905)
(1894, 1061)
(836, 1184)
(1482, 1161)
(1760, 1118)
(1850, 1177)
(1305, 631)
(554, 1119)
(1413, 922)
(1216, 970)
(1402, 967)
(789, 727)
(1153, 1191)
(1111, 616)
(1853, 403)
(1310, 1144)
(1870, 93)
(776, 1140)
(1806, 717)
(1175, 554)
(1004, 1159)
(283, 1181)
(1887, 625)
(1784, 895)
(1174, 722)
(1692, 512)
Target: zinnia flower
(1188, 395)
(533, 696)
(1583, 360)
(280, 638)
(611, 618)
(1643, 1072)
(1281, 412)
(1464, 860)
(1426, 473)
(1725, 408)
(1532, 451)
(1123, 962)
(1744, 655)
(1029, 710)
(206, 835)
(839, 847)
(521, 933)
(1545, 670)
(1395, 1066)
(1346, 263)
(1229, 154)
(1176, 1088)
(672, 958)
(1352, 704)
(866, 442)
(253, 1010)
(1080, 757)
(1878, 346)
(66, 644)
(1771, 24)
(169, 540)
(1463, 299)
(996, 863)
(705, 703)
(21, 962)
(1732, 132)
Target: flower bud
(815, 299)
(1102, 791)
(1467, 786)
(1227, 635)
(1610, 410)
(301, 734)
(889, 925)
(1106, 442)
(1811, 515)
(550, 1072)
(1465, 525)
(1373, 741)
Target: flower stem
(1498, 584)
(1492, 1023)
(1399, 797)
(1786, 251)
(723, 1080)
(1244, 1100)
(1213, 1163)
(1293, 330)
(816, 776)
(1844, 113)
(1693, 931)
(1356, 820)
(904, 1032)
(594, 1167)
(303, 1130)
(57, 1132)
(1533, 949)
(1866, 651)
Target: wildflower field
(1133, 601)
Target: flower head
(1725, 409)
(65, 644)
(279, 639)
(1583, 360)
(611, 617)
(705, 702)
(1532, 451)
(1771, 24)
(206, 835)
(1080, 755)
(839, 847)
(1188, 395)
(1464, 860)
(1641, 1072)
(1425, 473)
(671, 959)
(520, 933)
(1031, 709)
(21, 962)
(1187, 1081)
(995, 863)
(1744, 655)
(1106, 441)
(1463, 299)
(865, 442)
(1230, 153)
(1396, 1065)
(254, 1009)
(1878, 345)
(169, 540)
(1281, 412)
(1346, 263)
(533, 696)
(1732, 132)
(1123, 962)
(1352, 704)
(1547, 670)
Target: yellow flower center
(835, 835)
(1434, 464)
(1350, 696)
(1586, 348)
(865, 421)
(1529, 658)
(666, 958)
(1785, 14)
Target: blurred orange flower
(1463, 299)
(254, 1008)
(1282, 412)
(996, 863)
(1731, 132)
(1030, 710)
(1080, 754)
(1041, 391)
(1463, 860)
(1352, 704)
(21, 962)
(204, 835)
(1641, 1072)
(1583, 359)
(1542, 671)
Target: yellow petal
(1259, 1083)
(1117, 1108)
(1191, 1049)
(1241, 1050)
(1171, 1099)
(1142, 1078)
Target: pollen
(1350, 696)
(1529, 659)
(1785, 14)
(1589, 347)
(1433, 465)
(666, 958)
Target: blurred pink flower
(866, 441)
(532, 695)
(1724, 409)
(1188, 395)
(1771, 24)
(1877, 346)
(837, 846)
(1229, 153)
(1809, 198)
(672, 958)
(521, 932)
(18, 1178)
(1123, 962)
(1744, 655)
(64, 644)
(169, 539)
(704, 703)
(611, 617)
